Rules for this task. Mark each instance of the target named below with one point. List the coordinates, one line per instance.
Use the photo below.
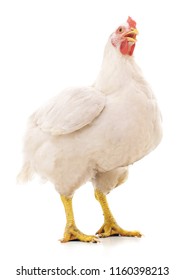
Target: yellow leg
(110, 226)
(71, 231)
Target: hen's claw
(72, 233)
(112, 229)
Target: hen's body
(126, 129)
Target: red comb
(131, 22)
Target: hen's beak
(131, 35)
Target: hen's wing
(69, 111)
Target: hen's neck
(116, 72)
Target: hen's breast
(130, 127)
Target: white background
(46, 46)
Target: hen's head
(124, 38)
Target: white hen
(94, 133)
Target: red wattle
(124, 47)
(131, 49)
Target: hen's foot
(112, 229)
(72, 233)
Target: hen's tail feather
(25, 174)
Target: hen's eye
(120, 29)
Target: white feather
(69, 111)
